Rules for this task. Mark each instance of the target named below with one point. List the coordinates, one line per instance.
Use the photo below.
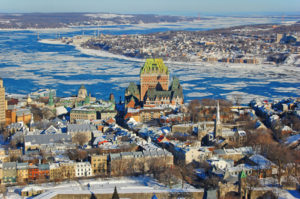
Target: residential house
(188, 154)
(14, 153)
(85, 129)
(43, 170)
(83, 169)
(55, 172)
(260, 166)
(33, 172)
(9, 172)
(22, 172)
(47, 141)
(234, 154)
(99, 164)
(68, 170)
(30, 191)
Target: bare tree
(193, 109)
(80, 139)
(184, 172)
(281, 156)
(81, 155)
(237, 99)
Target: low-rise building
(47, 141)
(33, 172)
(22, 172)
(9, 172)
(43, 171)
(14, 115)
(55, 172)
(82, 114)
(85, 129)
(108, 114)
(14, 153)
(234, 154)
(99, 164)
(83, 169)
(68, 170)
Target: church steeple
(218, 113)
(218, 124)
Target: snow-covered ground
(124, 185)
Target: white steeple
(218, 125)
(218, 113)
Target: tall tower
(2, 102)
(218, 124)
(154, 74)
(82, 92)
(50, 102)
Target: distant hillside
(59, 20)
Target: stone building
(14, 115)
(82, 114)
(68, 170)
(154, 87)
(83, 169)
(139, 161)
(9, 172)
(99, 164)
(3, 156)
(85, 129)
(22, 172)
(47, 142)
(55, 172)
(2, 103)
(153, 75)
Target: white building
(83, 169)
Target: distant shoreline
(102, 53)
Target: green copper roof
(154, 66)
(50, 102)
(87, 100)
(243, 174)
(132, 89)
(82, 86)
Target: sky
(182, 7)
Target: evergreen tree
(115, 194)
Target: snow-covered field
(124, 185)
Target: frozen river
(27, 65)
